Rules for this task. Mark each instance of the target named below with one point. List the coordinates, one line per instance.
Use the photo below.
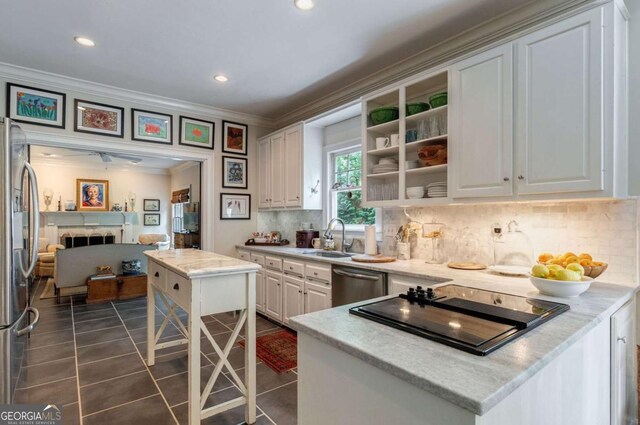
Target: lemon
(576, 268)
(553, 270)
(540, 270)
(568, 275)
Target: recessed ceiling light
(221, 78)
(84, 41)
(304, 4)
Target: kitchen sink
(329, 254)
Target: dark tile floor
(90, 360)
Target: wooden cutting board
(373, 258)
(467, 266)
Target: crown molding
(24, 75)
(503, 28)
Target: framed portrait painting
(196, 133)
(151, 205)
(152, 219)
(98, 118)
(150, 126)
(234, 172)
(235, 206)
(234, 138)
(35, 106)
(92, 195)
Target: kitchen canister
(404, 250)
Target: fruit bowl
(561, 288)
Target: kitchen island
(203, 283)
(353, 370)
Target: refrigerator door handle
(36, 220)
(32, 325)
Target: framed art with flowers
(197, 133)
(98, 118)
(35, 106)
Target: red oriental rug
(278, 350)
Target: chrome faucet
(331, 226)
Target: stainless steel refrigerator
(18, 252)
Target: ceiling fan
(106, 156)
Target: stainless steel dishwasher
(350, 285)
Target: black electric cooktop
(473, 320)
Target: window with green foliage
(346, 190)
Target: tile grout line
(45, 383)
(120, 405)
(47, 362)
(147, 369)
(75, 350)
(112, 379)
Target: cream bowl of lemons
(558, 281)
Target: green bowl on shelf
(417, 107)
(438, 99)
(384, 114)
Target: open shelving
(431, 125)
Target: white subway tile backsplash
(606, 229)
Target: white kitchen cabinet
(290, 167)
(624, 398)
(293, 298)
(481, 125)
(260, 292)
(277, 170)
(317, 296)
(273, 294)
(264, 173)
(560, 110)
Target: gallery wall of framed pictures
(33, 105)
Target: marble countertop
(194, 263)
(472, 382)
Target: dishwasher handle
(355, 275)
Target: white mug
(382, 142)
(316, 243)
(395, 140)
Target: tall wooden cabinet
(289, 166)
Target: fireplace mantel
(53, 223)
(87, 218)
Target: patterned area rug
(278, 350)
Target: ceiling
(91, 159)
(277, 57)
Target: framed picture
(152, 219)
(234, 172)
(98, 118)
(197, 133)
(235, 206)
(151, 204)
(234, 138)
(36, 106)
(92, 195)
(150, 126)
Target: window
(346, 190)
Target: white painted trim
(182, 167)
(501, 29)
(67, 163)
(30, 76)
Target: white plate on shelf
(510, 270)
